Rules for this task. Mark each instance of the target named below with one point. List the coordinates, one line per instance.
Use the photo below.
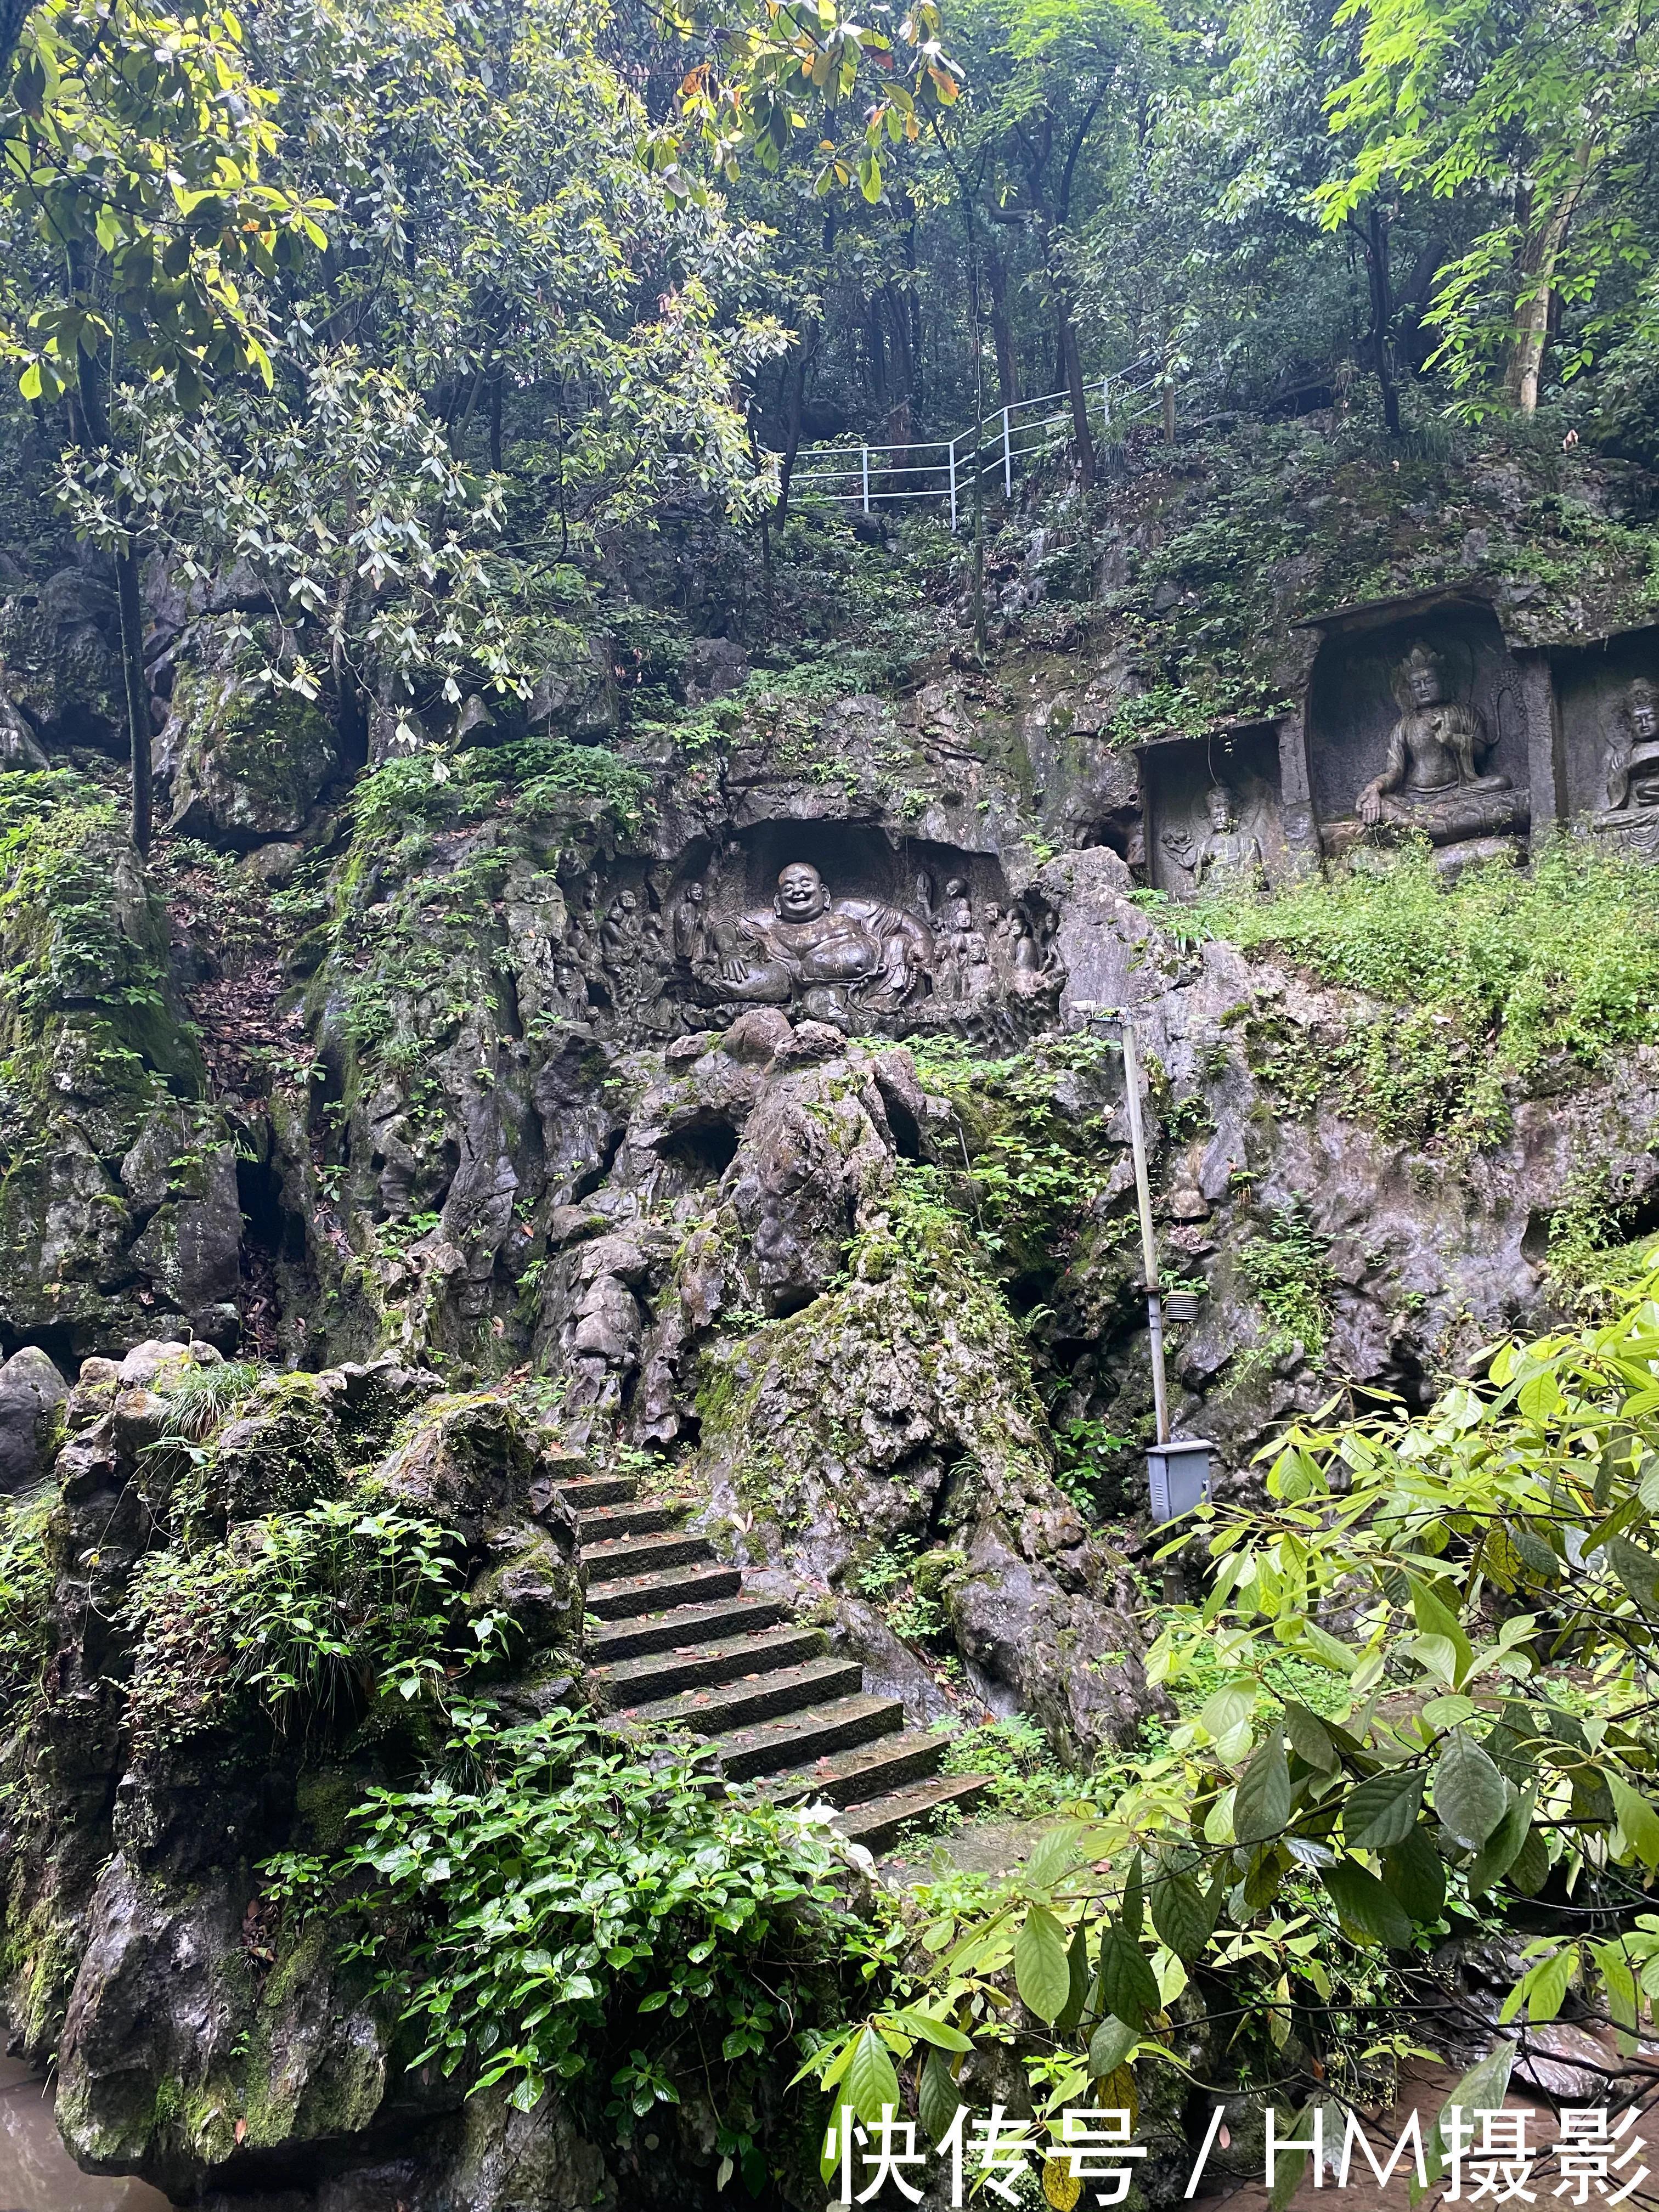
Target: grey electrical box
(1179, 1474)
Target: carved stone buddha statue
(1435, 778)
(830, 957)
(1227, 848)
(1633, 755)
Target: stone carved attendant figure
(1633, 755)
(690, 926)
(830, 956)
(1437, 753)
(956, 926)
(1226, 847)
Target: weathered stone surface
(31, 1391)
(246, 762)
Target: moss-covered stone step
(627, 1638)
(835, 1725)
(647, 1592)
(598, 1490)
(869, 1770)
(715, 1710)
(644, 1555)
(605, 1523)
(877, 1822)
(689, 1666)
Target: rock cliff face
(400, 1142)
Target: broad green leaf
(1638, 1820)
(1181, 1914)
(1288, 2171)
(936, 2097)
(1541, 1988)
(1619, 1980)
(1127, 1980)
(1111, 2045)
(1530, 1869)
(1077, 1960)
(1309, 1739)
(1054, 1855)
(1366, 1905)
(1502, 1848)
(870, 2081)
(1639, 1571)
(1262, 1806)
(1437, 1620)
(1133, 1890)
(1469, 1793)
(1482, 2089)
(1415, 1873)
(1382, 1810)
(1041, 1974)
(925, 2029)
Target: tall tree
(135, 138)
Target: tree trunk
(795, 392)
(495, 384)
(1002, 329)
(1380, 278)
(95, 417)
(1532, 314)
(1073, 360)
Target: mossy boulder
(59, 664)
(247, 761)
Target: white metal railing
(1012, 438)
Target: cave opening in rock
(704, 1149)
(273, 1236)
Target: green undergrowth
(25, 1593)
(553, 1908)
(1286, 1267)
(1489, 985)
(533, 778)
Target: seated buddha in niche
(826, 956)
(1633, 755)
(1435, 778)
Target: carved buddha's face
(1220, 805)
(1643, 719)
(694, 892)
(1424, 678)
(801, 894)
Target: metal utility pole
(1144, 1200)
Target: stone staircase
(677, 1640)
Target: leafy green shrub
(594, 1916)
(25, 1591)
(1500, 974)
(308, 1617)
(1026, 1780)
(532, 776)
(1288, 1272)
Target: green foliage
(1287, 1270)
(590, 1915)
(309, 1619)
(1026, 1780)
(533, 779)
(1491, 984)
(24, 1592)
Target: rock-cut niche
(1416, 725)
(836, 922)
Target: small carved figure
(620, 933)
(1225, 849)
(828, 955)
(1025, 955)
(690, 925)
(1437, 752)
(955, 927)
(925, 895)
(1633, 755)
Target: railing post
(864, 452)
(952, 450)
(1168, 408)
(1106, 404)
(1007, 459)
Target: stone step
(722, 1708)
(689, 1665)
(681, 1624)
(647, 1595)
(603, 1524)
(876, 1822)
(835, 1725)
(869, 1770)
(598, 1490)
(644, 1555)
